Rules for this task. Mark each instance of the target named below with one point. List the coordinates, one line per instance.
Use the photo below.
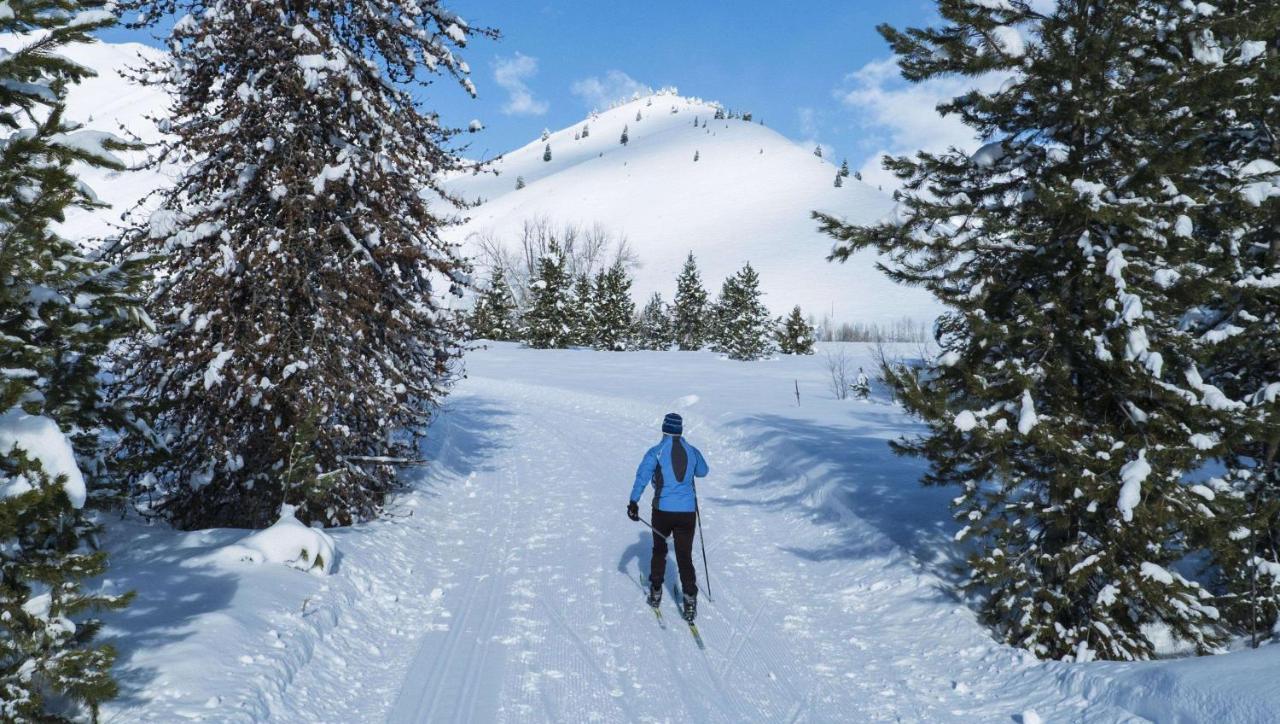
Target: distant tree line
(569, 288)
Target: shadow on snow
(833, 472)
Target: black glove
(633, 510)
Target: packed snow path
(816, 614)
(506, 583)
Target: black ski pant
(682, 525)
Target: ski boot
(690, 607)
(655, 596)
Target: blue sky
(815, 70)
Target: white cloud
(598, 93)
(511, 74)
(900, 118)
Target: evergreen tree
(745, 328)
(696, 156)
(690, 312)
(1233, 86)
(719, 116)
(303, 264)
(546, 154)
(519, 182)
(62, 307)
(613, 310)
(546, 133)
(795, 335)
(839, 180)
(625, 137)
(1068, 405)
(639, 117)
(494, 316)
(857, 175)
(582, 312)
(844, 168)
(654, 328)
(817, 151)
(547, 320)
(586, 130)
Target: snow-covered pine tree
(1233, 81)
(613, 310)
(746, 330)
(547, 321)
(303, 268)
(654, 328)
(795, 336)
(1067, 405)
(546, 133)
(690, 314)
(817, 151)
(519, 182)
(696, 156)
(546, 154)
(839, 180)
(639, 117)
(844, 168)
(62, 307)
(626, 138)
(586, 130)
(494, 316)
(582, 320)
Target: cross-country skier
(862, 385)
(671, 466)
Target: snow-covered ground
(505, 585)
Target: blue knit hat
(672, 424)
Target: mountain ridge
(746, 199)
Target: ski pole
(655, 530)
(702, 539)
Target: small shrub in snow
(287, 541)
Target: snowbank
(288, 541)
(41, 439)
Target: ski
(697, 637)
(661, 622)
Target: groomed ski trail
(549, 619)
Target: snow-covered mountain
(747, 198)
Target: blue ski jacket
(671, 466)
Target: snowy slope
(506, 584)
(111, 102)
(747, 199)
